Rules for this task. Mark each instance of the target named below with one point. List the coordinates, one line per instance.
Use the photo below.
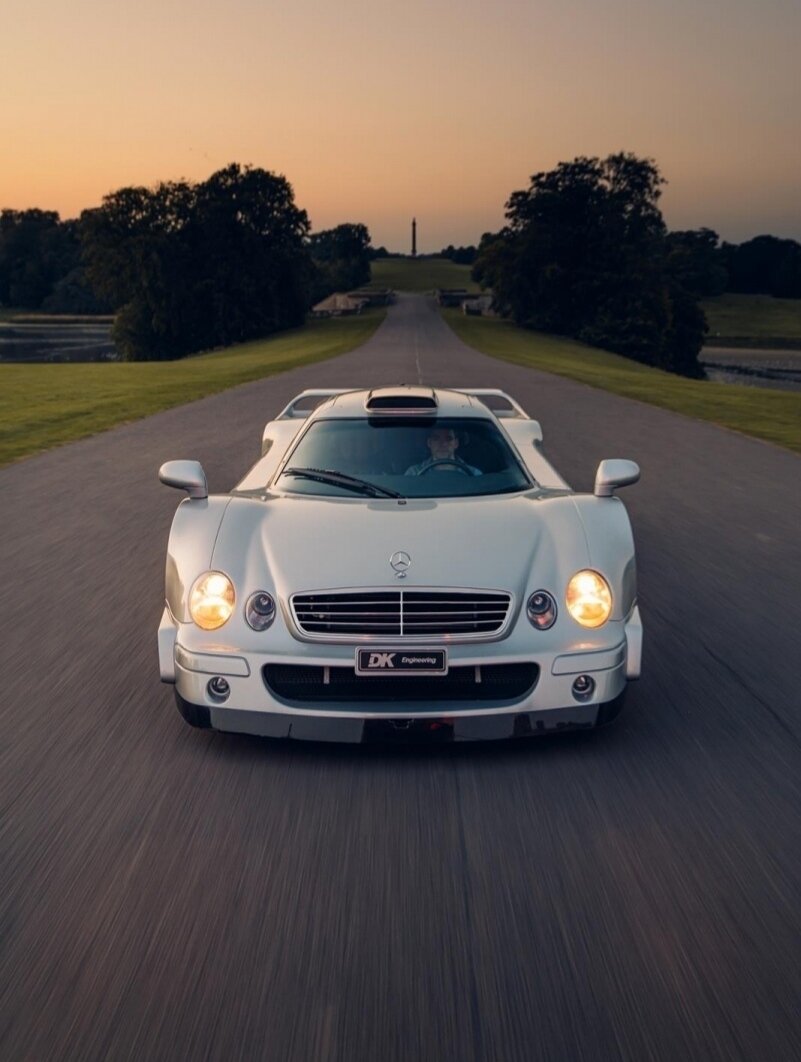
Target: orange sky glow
(377, 112)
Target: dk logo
(381, 660)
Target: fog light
(583, 687)
(218, 688)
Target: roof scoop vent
(403, 400)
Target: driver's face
(443, 443)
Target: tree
(695, 260)
(36, 250)
(72, 294)
(195, 266)
(460, 255)
(765, 265)
(342, 257)
(584, 254)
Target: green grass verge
(46, 405)
(764, 413)
(753, 320)
(420, 274)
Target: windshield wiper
(341, 479)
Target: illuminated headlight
(541, 610)
(211, 600)
(589, 599)
(260, 610)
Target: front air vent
(302, 685)
(416, 615)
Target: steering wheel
(456, 465)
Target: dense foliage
(40, 257)
(585, 254)
(195, 266)
(460, 255)
(765, 265)
(341, 257)
(694, 259)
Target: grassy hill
(420, 274)
(753, 320)
(44, 405)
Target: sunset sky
(377, 111)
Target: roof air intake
(403, 400)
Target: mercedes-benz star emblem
(401, 562)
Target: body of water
(56, 342)
(752, 367)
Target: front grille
(417, 614)
(303, 684)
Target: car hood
(293, 544)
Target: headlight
(211, 600)
(589, 599)
(541, 610)
(260, 610)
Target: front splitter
(442, 729)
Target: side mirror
(187, 475)
(614, 473)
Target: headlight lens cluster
(260, 610)
(589, 599)
(211, 600)
(541, 610)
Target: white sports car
(401, 562)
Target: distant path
(173, 894)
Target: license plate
(401, 662)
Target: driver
(443, 444)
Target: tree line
(190, 266)
(586, 253)
(184, 266)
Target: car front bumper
(430, 729)
(252, 707)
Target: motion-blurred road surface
(167, 893)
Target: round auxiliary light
(589, 599)
(260, 610)
(583, 687)
(218, 688)
(541, 610)
(211, 600)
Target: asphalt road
(635, 894)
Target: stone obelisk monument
(414, 237)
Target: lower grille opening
(493, 682)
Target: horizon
(438, 114)
(736, 234)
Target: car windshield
(432, 458)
